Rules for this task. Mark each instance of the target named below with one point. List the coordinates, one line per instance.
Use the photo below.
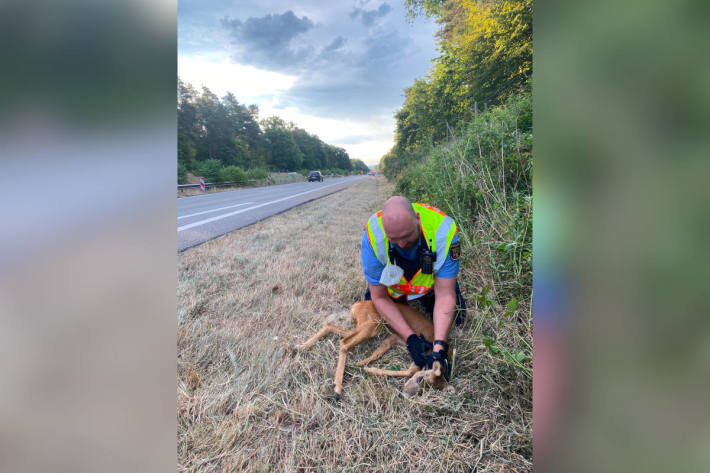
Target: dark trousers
(427, 302)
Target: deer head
(433, 377)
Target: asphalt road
(204, 217)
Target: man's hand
(418, 346)
(442, 357)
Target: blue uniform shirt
(372, 268)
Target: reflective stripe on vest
(446, 227)
(376, 235)
(415, 291)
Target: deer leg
(327, 328)
(340, 373)
(347, 344)
(403, 373)
(386, 344)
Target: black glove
(441, 357)
(418, 346)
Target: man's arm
(444, 308)
(416, 343)
(389, 311)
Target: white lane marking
(219, 217)
(215, 210)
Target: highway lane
(204, 217)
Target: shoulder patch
(455, 250)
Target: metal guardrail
(229, 183)
(211, 184)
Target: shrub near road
(247, 404)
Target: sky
(335, 69)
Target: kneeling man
(411, 251)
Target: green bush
(209, 169)
(233, 174)
(257, 174)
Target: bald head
(401, 222)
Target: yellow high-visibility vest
(435, 226)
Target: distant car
(371, 173)
(315, 176)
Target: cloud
(332, 53)
(340, 71)
(329, 70)
(337, 43)
(221, 76)
(386, 52)
(356, 84)
(352, 140)
(267, 41)
(368, 17)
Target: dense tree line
(215, 134)
(358, 165)
(485, 60)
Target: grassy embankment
(246, 404)
(482, 177)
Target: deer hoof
(337, 396)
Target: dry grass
(245, 403)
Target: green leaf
(510, 308)
(512, 305)
(491, 345)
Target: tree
(337, 158)
(358, 165)
(310, 146)
(393, 163)
(285, 154)
(224, 130)
(187, 125)
(485, 58)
